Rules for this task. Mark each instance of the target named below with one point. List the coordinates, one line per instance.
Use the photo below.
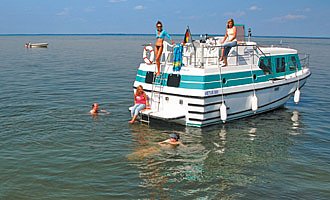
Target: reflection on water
(221, 146)
(217, 161)
(295, 123)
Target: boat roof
(278, 50)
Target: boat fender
(148, 50)
(254, 102)
(296, 97)
(223, 112)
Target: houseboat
(201, 91)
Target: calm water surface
(51, 148)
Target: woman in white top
(228, 41)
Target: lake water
(51, 148)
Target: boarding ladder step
(146, 121)
(144, 116)
(157, 86)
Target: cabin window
(280, 65)
(265, 65)
(149, 77)
(292, 63)
(173, 80)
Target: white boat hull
(36, 45)
(200, 111)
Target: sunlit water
(51, 148)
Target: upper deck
(247, 63)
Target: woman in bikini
(160, 36)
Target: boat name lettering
(212, 92)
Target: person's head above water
(174, 136)
(95, 108)
(173, 140)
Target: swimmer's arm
(104, 111)
(163, 142)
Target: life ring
(148, 50)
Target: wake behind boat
(36, 45)
(193, 88)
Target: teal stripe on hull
(212, 81)
(140, 79)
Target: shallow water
(51, 148)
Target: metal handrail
(215, 49)
(304, 62)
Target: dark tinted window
(280, 64)
(149, 77)
(265, 64)
(173, 80)
(292, 63)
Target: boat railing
(205, 54)
(304, 60)
(167, 55)
(208, 53)
(262, 54)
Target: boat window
(149, 77)
(280, 64)
(173, 80)
(265, 65)
(292, 63)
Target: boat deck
(163, 114)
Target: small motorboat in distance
(36, 45)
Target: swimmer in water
(95, 110)
(173, 140)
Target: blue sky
(266, 18)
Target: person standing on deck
(160, 37)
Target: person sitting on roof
(228, 41)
